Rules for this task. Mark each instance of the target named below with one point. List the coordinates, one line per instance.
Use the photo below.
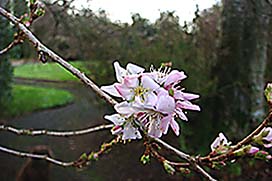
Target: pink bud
(27, 24)
(253, 150)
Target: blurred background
(223, 46)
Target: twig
(9, 47)
(29, 132)
(255, 132)
(36, 156)
(162, 159)
(187, 157)
(244, 141)
(42, 49)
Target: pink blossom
(173, 78)
(268, 137)
(152, 100)
(131, 70)
(221, 140)
(136, 86)
(253, 150)
(124, 126)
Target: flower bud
(168, 168)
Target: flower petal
(134, 69)
(174, 125)
(165, 104)
(165, 122)
(124, 91)
(253, 150)
(150, 100)
(126, 108)
(269, 145)
(130, 132)
(174, 77)
(185, 96)
(120, 72)
(154, 129)
(187, 105)
(110, 89)
(149, 83)
(116, 119)
(220, 140)
(268, 137)
(181, 114)
(131, 81)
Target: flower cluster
(264, 137)
(221, 145)
(151, 101)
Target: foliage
(50, 71)
(29, 98)
(5, 67)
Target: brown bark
(242, 57)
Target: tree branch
(43, 50)
(36, 156)
(187, 157)
(9, 47)
(255, 132)
(29, 132)
(244, 141)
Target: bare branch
(44, 50)
(244, 141)
(255, 132)
(36, 156)
(9, 47)
(187, 157)
(29, 132)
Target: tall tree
(5, 67)
(242, 57)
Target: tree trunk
(242, 57)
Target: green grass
(29, 98)
(49, 71)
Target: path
(121, 164)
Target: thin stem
(29, 132)
(244, 141)
(36, 156)
(255, 132)
(9, 47)
(187, 157)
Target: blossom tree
(149, 103)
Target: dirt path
(121, 164)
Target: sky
(123, 9)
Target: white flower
(124, 126)
(221, 140)
(121, 73)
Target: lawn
(31, 98)
(49, 71)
